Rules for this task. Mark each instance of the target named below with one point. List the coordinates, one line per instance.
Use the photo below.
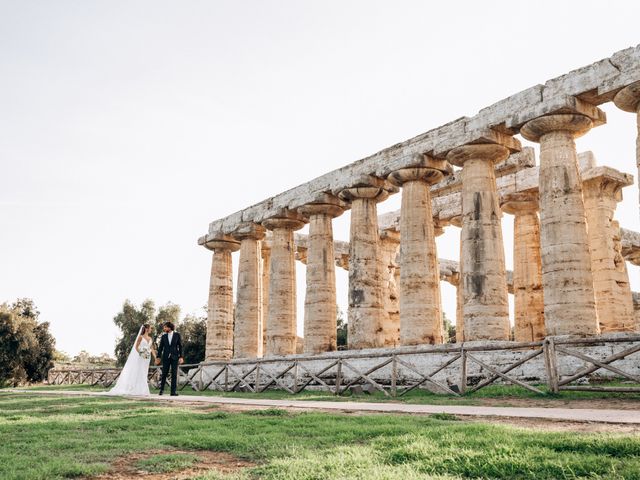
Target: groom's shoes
(174, 394)
(160, 392)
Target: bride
(133, 378)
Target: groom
(170, 351)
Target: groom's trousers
(169, 364)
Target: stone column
(457, 221)
(320, 307)
(569, 302)
(219, 344)
(420, 308)
(366, 307)
(247, 332)
(389, 246)
(486, 307)
(265, 267)
(610, 278)
(527, 267)
(281, 322)
(628, 99)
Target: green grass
(53, 437)
(501, 394)
(167, 462)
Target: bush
(27, 347)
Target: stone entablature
(578, 91)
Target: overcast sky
(127, 126)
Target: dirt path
(595, 415)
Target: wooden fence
(394, 372)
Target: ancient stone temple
(516, 158)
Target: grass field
(501, 395)
(52, 437)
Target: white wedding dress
(133, 378)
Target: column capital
(392, 236)
(456, 221)
(438, 226)
(368, 186)
(288, 219)
(327, 205)
(249, 230)
(573, 123)
(605, 182)
(491, 152)
(220, 241)
(428, 169)
(628, 99)
(519, 203)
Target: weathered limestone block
(485, 308)
(247, 334)
(566, 262)
(281, 323)
(389, 249)
(320, 299)
(420, 305)
(219, 344)
(628, 99)
(527, 267)
(366, 306)
(614, 304)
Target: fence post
(338, 376)
(551, 364)
(394, 376)
(463, 370)
(295, 377)
(257, 383)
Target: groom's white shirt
(170, 337)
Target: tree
(26, 346)
(129, 321)
(40, 361)
(342, 330)
(449, 329)
(131, 318)
(193, 331)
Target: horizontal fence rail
(550, 366)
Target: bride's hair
(145, 328)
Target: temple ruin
(569, 276)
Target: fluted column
(628, 99)
(247, 332)
(610, 278)
(265, 266)
(219, 343)
(457, 221)
(320, 308)
(420, 308)
(569, 301)
(486, 308)
(281, 322)
(527, 267)
(366, 307)
(389, 247)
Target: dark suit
(170, 353)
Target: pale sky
(127, 126)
